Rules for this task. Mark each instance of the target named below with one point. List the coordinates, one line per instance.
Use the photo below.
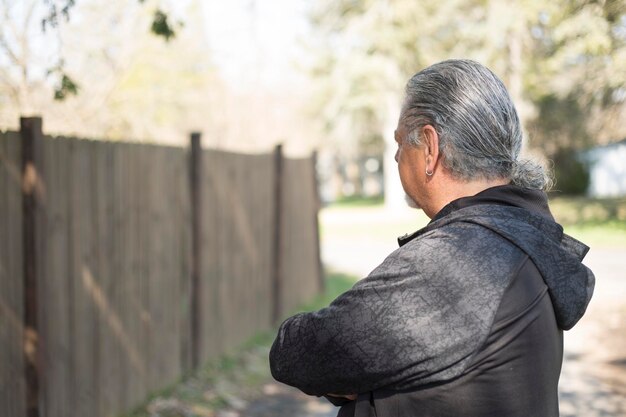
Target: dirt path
(283, 401)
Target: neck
(448, 189)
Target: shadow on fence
(125, 266)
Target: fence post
(277, 309)
(32, 200)
(196, 246)
(316, 209)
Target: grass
(585, 211)
(232, 379)
(609, 234)
(358, 201)
(336, 284)
(596, 222)
(370, 222)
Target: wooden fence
(125, 266)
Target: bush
(571, 174)
(588, 211)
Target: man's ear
(430, 138)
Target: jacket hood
(558, 257)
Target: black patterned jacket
(464, 319)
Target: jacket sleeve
(325, 351)
(412, 321)
(416, 319)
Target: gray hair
(479, 131)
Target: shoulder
(458, 255)
(456, 243)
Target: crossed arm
(342, 349)
(396, 329)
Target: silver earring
(430, 174)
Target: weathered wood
(277, 236)
(182, 225)
(238, 234)
(120, 230)
(136, 249)
(32, 136)
(72, 261)
(300, 259)
(116, 243)
(12, 383)
(196, 246)
(109, 372)
(84, 281)
(93, 277)
(53, 279)
(316, 205)
(212, 267)
(142, 350)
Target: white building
(607, 170)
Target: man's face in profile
(409, 165)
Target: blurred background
(328, 76)
(325, 74)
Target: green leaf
(66, 87)
(161, 26)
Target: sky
(251, 41)
(265, 35)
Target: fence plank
(84, 281)
(136, 278)
(53, 281)
(316, 205)
(106, 308)
(143, 183)
(12, 382)
(212, 288)
(6, 283)
(196, 174)
(122, 215)
(33, 229)
(300, 260)
(278, 235)
(182, 225)
(153, 234)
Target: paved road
(593, 382)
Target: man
(466, 317)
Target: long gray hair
(479, 131)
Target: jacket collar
(535, 201)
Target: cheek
(405, 173)
(407, 163)
(409, 170)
